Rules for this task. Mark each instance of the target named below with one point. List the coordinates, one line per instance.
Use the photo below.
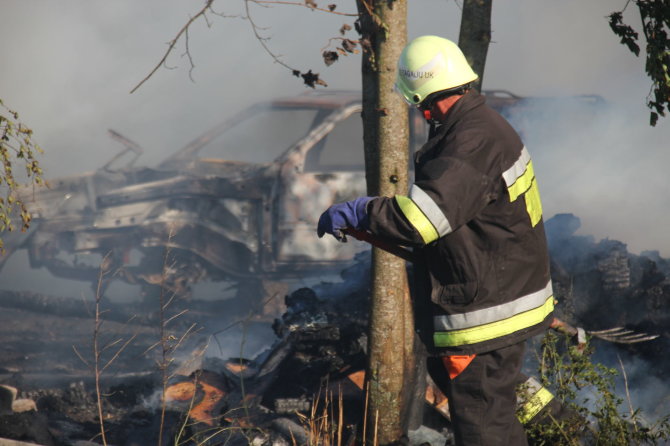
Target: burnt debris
(314, 366)
(600, 285)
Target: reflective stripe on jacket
(491, 323)
(475, 216)
(532, 398)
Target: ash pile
(314, 371)
(276, 398)
(600, 285)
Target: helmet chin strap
(429, 119)
(428, 116)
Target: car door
(328, 167)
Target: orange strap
(456, 364)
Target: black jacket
(475, 217)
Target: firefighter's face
(441, 107)
(436, 111)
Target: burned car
(240, 202)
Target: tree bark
(383, 31)
(475, 35)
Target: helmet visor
(401, 92)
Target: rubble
(9, 403)
(600, 285)
(316, 363)
(7, 397)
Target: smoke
(636, 383)
(71, 74)
(68, 68)
(602, 164)
(71, 65)
(608, 169)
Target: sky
(68, 68)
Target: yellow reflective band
(534, 405)
(496, 329)
(417, 219)
(533, 203)
(527, 185)
(522, 184)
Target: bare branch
(187, 53)
(187, 333)
(224, 15)
(110, 345)
(625, 381)
(176, 316)
(118, 352)
(97, 352)
(151, 347)
(174, 41)
(173, 296)
(79, 355)
(261, 40)
(304, 5)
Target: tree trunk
(386, 136)
(475, 35)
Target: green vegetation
(655, 16)
(586, 390)
(16, 144)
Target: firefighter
(474, 218)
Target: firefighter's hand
(350, 214)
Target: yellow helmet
(429, 64)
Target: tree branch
(173, 42)
(310, 79)
(305, 5)
(261, 40)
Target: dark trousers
(482, 399)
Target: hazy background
(68, 67)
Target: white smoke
(70, 67)
(637, 383)
(609, 169)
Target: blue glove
(350, 214)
